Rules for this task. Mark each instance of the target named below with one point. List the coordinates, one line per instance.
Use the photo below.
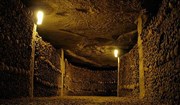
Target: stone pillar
(62, 71)
(31, 89)
(140, 52)
(118, 79)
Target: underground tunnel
(61, 52)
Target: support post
(118, 78)
(62, 72)
(140, 52)
(31, 89)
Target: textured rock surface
(129, 71)
(16, 28)
(78, 100)
(161, 58)
(161, 43)
(47, 71)
(89, 28)
(81, 81)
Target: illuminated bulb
(39, 17)
(116, 53)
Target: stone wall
(16, 28)
(161, 46)
(81, 81)
(129, 71)
(47, 74)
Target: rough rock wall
(16, 28)
(47, 72)
(129, 71)
(161, 45)
(81, 81)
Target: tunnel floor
(75, 100)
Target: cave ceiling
(89, 30)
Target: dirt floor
(75, 100)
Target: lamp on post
(116, 54)
(39, 17)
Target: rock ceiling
(89, 30)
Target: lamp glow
(116, 53)
(39, 17)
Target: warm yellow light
(39, 17)
(116, 53)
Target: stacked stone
(13, 70)
(16, 26)
(129, 71)
(47, 69)
(134, 58)
(162, 55)
(82, 81)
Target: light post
(116, 54)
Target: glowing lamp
(39, 17)
(116, 53)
